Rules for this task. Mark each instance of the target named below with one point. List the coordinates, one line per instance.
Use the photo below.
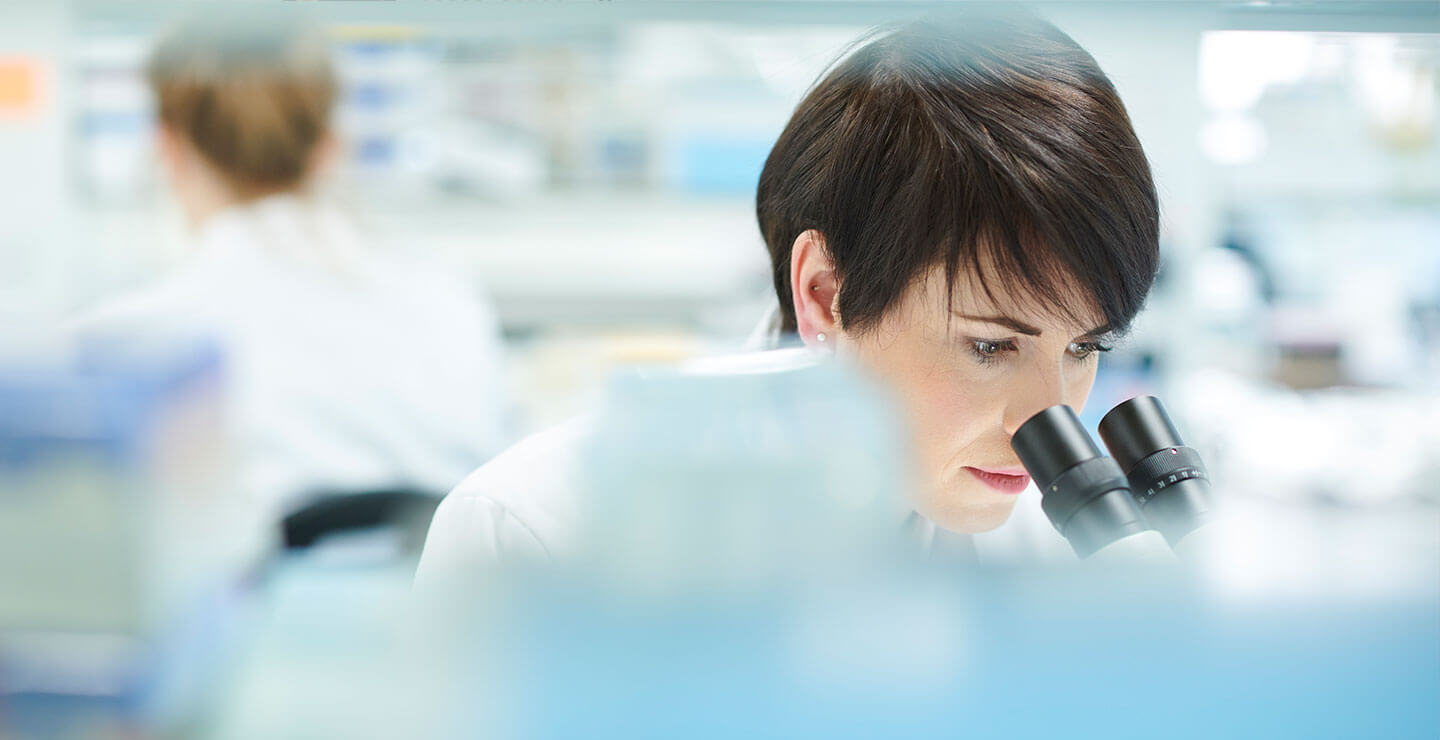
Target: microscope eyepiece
(1167, 478)
(1051, 442)
(1083, 493)
(1136, 429)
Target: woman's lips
(1004, 482)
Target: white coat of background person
(349, 370)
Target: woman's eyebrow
(1025, 328)
(1004, 321)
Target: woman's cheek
(946, 412)
(1078, 386)
(942, 395)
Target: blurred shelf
(585, 260)
(1406, 16)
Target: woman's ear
(325, 156)
(171, 151)
(194, 184)
(814, 290)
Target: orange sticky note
(19, 85)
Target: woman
(964, 209)
(350, 372)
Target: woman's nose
(1042, 389)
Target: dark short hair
(942, 140)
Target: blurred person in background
(351, 372)
(962, 207)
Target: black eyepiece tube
(1051, 442)
(1083, 493)
(1167, 478)
(1136, 429)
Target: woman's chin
(969, 511)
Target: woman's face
(968, 374)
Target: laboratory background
(581, 176)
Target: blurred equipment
(1167, 478)
(121, 547)
(406, 510)
(705, 477)
(1084, 493)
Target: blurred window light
(1233, 139)
(1237, 66)
(1391, 79)
(1397, 88)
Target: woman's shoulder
(519, 506)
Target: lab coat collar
(294, 228)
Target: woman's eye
(1082, 350)
(990, 350)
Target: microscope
(1149, 497)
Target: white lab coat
(522, 506)
(347, 370)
